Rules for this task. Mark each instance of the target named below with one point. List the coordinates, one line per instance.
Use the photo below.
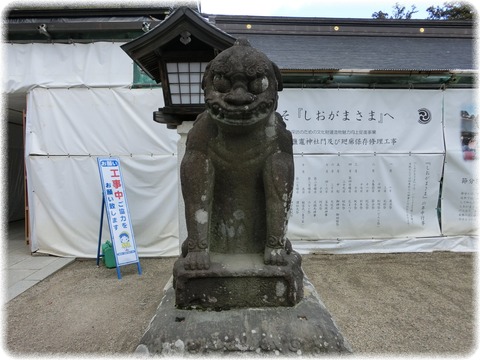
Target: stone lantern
(175, 53)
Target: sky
(314, 8)
(301, 8)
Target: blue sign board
(116, 206)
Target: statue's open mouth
(241, 115)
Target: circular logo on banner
(424, 116)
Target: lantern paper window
(185, 81)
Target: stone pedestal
(304, 329)
(238, 280)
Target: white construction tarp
(368, 163)
(97, 121)
(365, 196)
(460, 182)
(65, 65)
(65, 200)
(326, 121)
(66, 130)
(379, 197)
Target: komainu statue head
(240, 87)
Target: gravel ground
(385, 304)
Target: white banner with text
(363, 121)
(365, 196)
(368, 163)
(460, 182)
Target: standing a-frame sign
(114, 201)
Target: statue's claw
(197, 260)
(275, 256)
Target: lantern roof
(184, 33)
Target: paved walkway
(23, 269)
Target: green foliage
(451, 10)
(399, 12)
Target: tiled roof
(364, 52)
(324, 43)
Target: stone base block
(304, 329)
(239, 280)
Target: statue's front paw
(275, 256)
(197, 260)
